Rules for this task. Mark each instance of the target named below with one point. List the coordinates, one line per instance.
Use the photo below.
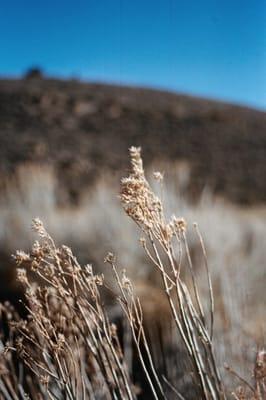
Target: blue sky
(208, 48)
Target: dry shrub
(232, 236)
(68, 348)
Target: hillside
(82, 128)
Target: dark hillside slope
(82, 128)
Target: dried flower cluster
(67, 343)
(137, 198)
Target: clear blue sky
(213, 48)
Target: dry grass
(66, 348)
(68, 339)
(233, 238)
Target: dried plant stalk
(67, 342)
(146, 209)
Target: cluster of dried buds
(143, 206)
(137, 198)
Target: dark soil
(83, 128)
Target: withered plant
(161, 238)
(68, 346)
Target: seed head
(137, 198)
(38, 227)
(180, 224)
(22, 276)
(21, 257)
(136, 161)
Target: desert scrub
(68, 346)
